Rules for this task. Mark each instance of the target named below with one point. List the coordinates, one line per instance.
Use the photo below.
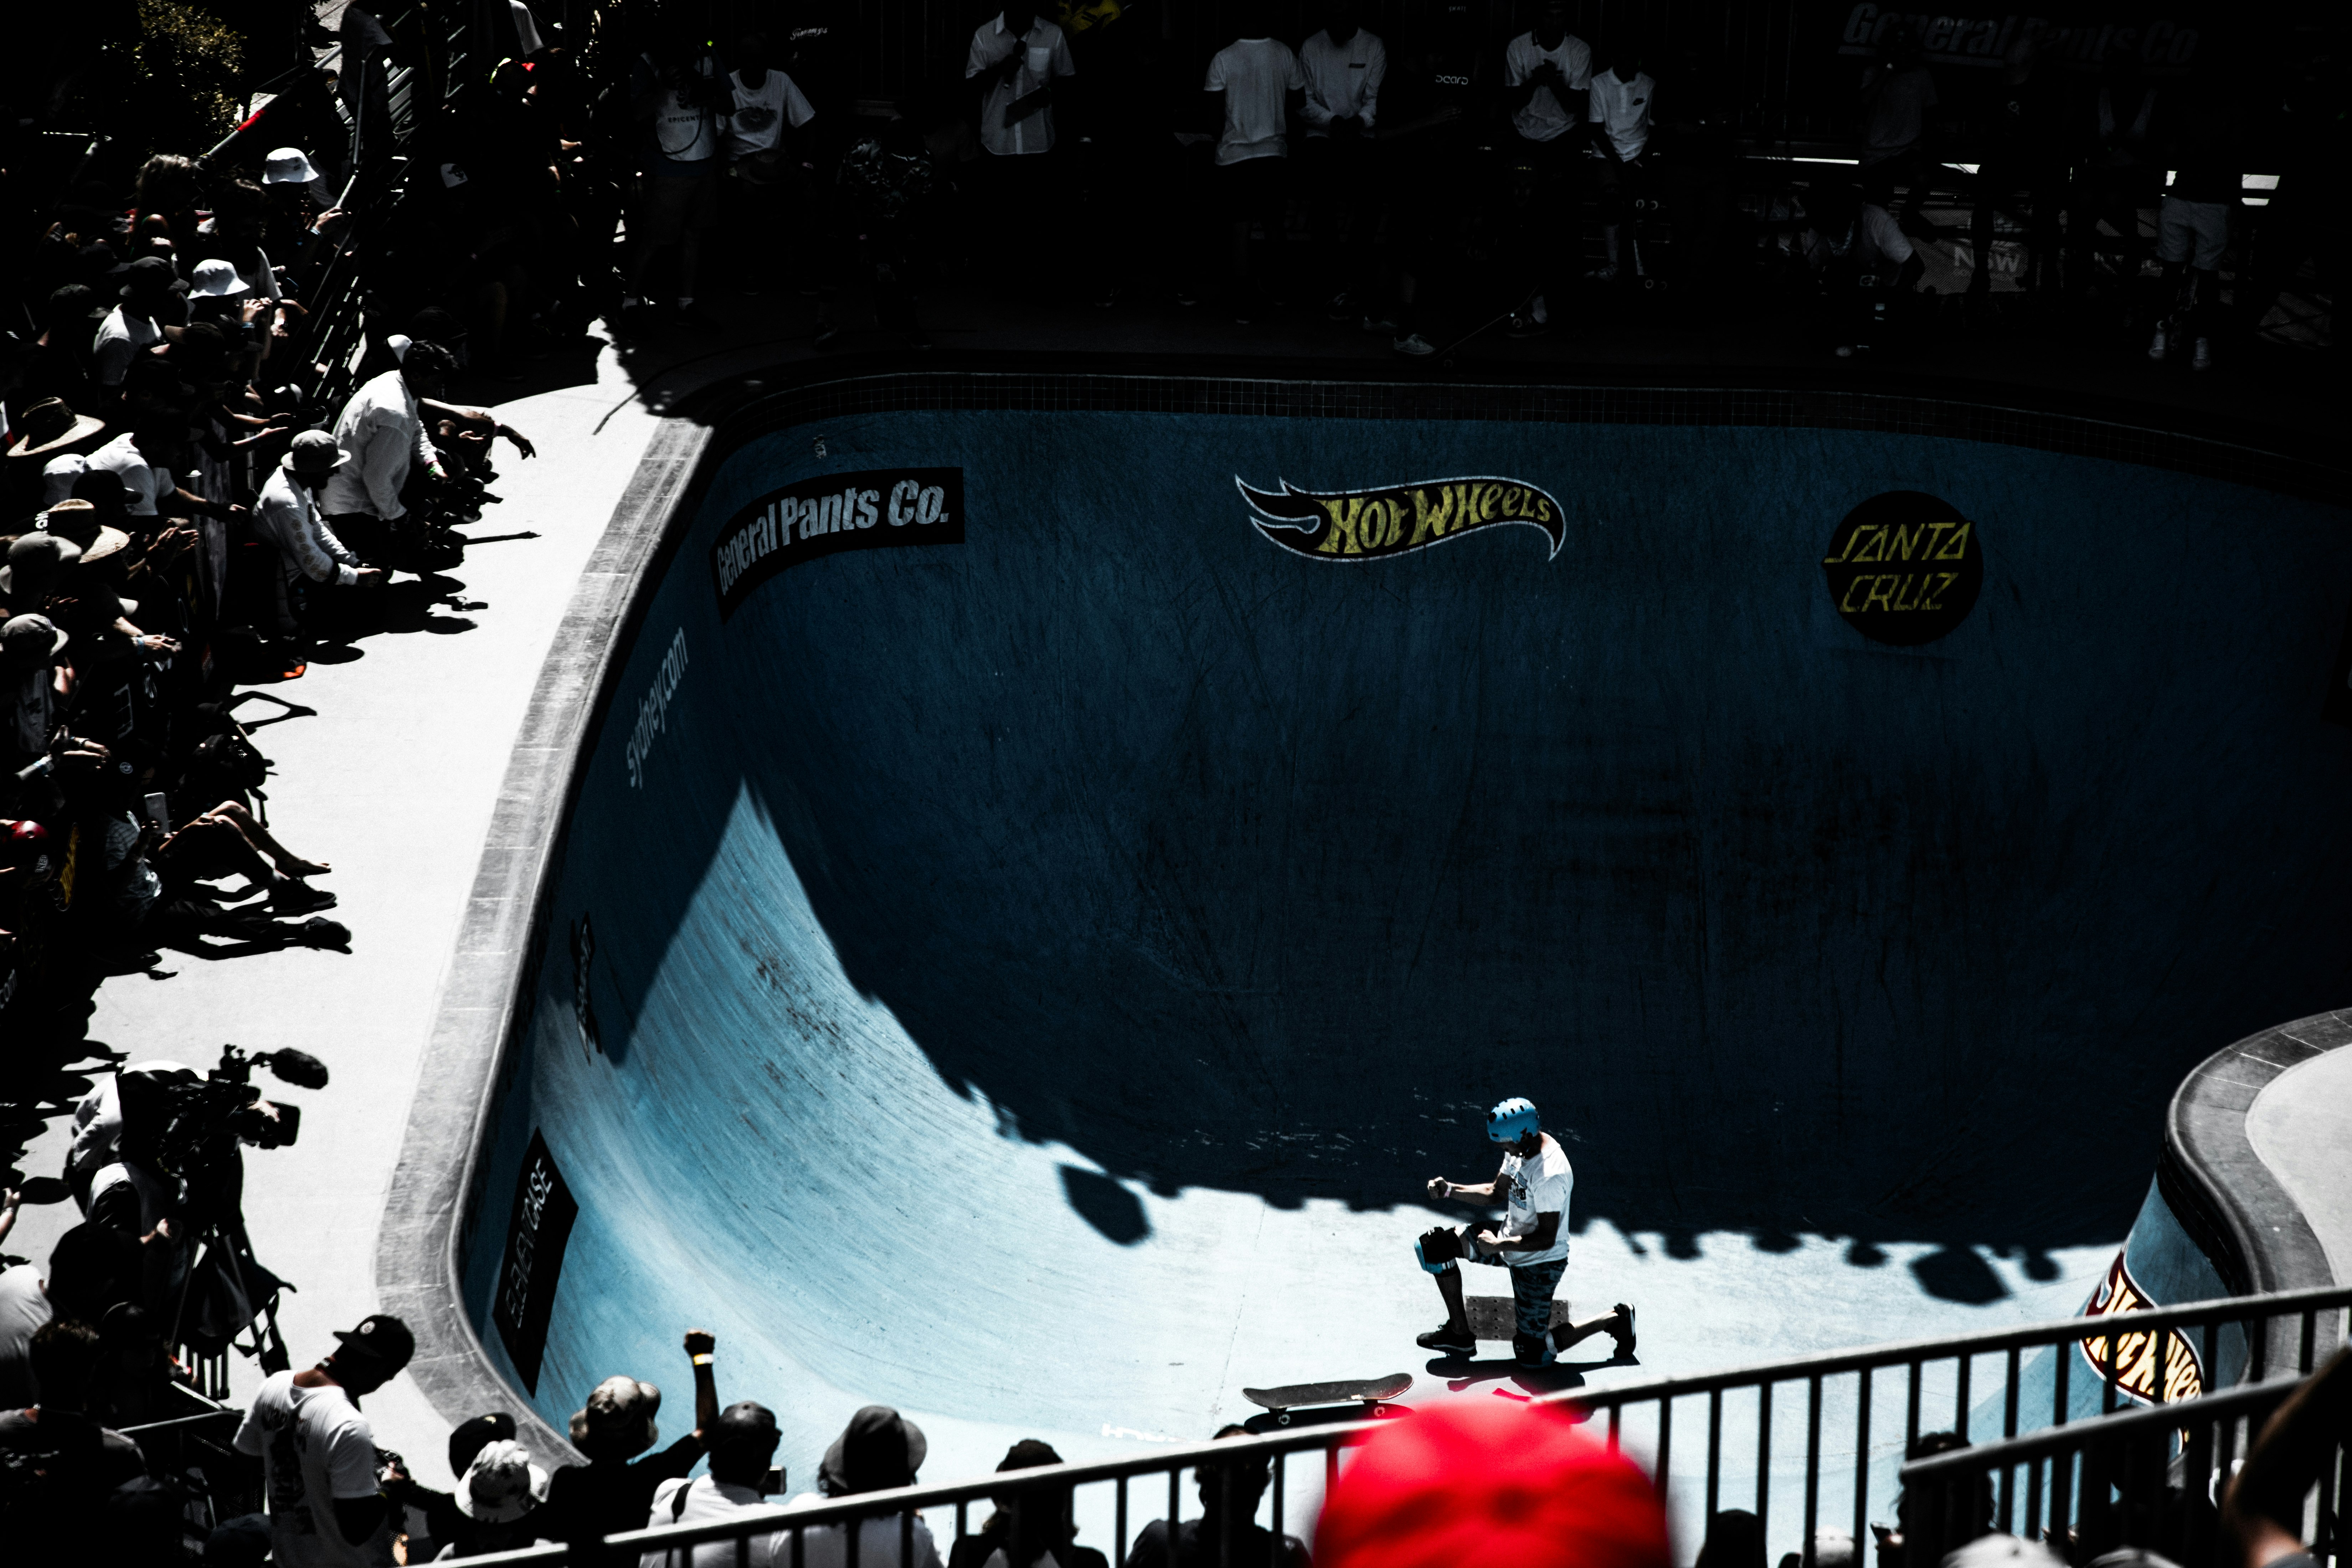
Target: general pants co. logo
(1904, 568)
(1363, 525)
(823, 516)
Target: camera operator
(678, 93)
(327, 1508)
(382, 437)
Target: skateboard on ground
(1369, 1392)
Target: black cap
(381, 1339)
(472, 1436)
(745, 1424)
(150, 274)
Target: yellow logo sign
(2135, 1354)
(1359, 525)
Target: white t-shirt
(712, 1502)
(24, 1308)
(1044, 56)
(1543, 118)
(315, 1448)
(762, 112)
(1254, 74)
(147, 483)
(120, 337)
(682, 133)
(1623, 110)
(825, 1545)
(1342, 79)
(1540, 1185)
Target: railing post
(1862, 1465)
(1665, 1442)
(1763, 1454)
(1812, 1462)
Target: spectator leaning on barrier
(742, 1445)
(879, 1450)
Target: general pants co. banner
(870, 510)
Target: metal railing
(1639, 1417)
(2150, 1479)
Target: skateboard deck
(1496, 1316)
(1290, 1396)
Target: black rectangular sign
(543, 1212)
(818, 517)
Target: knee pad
(1439, 1249)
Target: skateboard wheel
(1282, 1418)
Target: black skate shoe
(1447, 1339)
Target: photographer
(679, 94)
(327, 1508)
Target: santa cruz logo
(1359, 525)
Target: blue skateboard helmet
(1512, 1120)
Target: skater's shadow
(1461, 1375)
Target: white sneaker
(2156, 347)
(1380, 326)
(2202, 358)
(1413, 344)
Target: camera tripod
(221, 1252)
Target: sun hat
(287, 166)
(36, 561)
(59, 475)
(217, 280)
(29, 641)
(78, 520)
(1478, 1481)
(315, 455)
(617, 1422)
(878, 1450)
(148, 277)
(502, 1484)
(380, 1339)
(50, 426)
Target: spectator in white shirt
(1547, 73)
(1258, 84)
(1344, 67)
(1621, 111)
(318, 1452)
(313, 564)
(768, 106)
(1015, 57)
(382, 432)
(131, 328)
(148, 458)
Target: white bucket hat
(287, 166)
(217, 279)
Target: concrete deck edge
(489, 973)
(487, 982)
(2224, 1194)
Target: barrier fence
(1934, 1375)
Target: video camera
(189, 1130)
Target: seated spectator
(317, 572)
(228, 839)
(1035, 1525)
(1227, 1534)
(151, 294)
(501, 1503)
(318, 1452)
(879, 1450)
(433, 1518)
(74, 1463)
(742, 1445)
(1258, 84)
(1344, 67)
(1476, 1481)
(608, 1494)
(1547, 74)
(1014, 59)
(1622, 114)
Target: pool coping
(490, 978)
